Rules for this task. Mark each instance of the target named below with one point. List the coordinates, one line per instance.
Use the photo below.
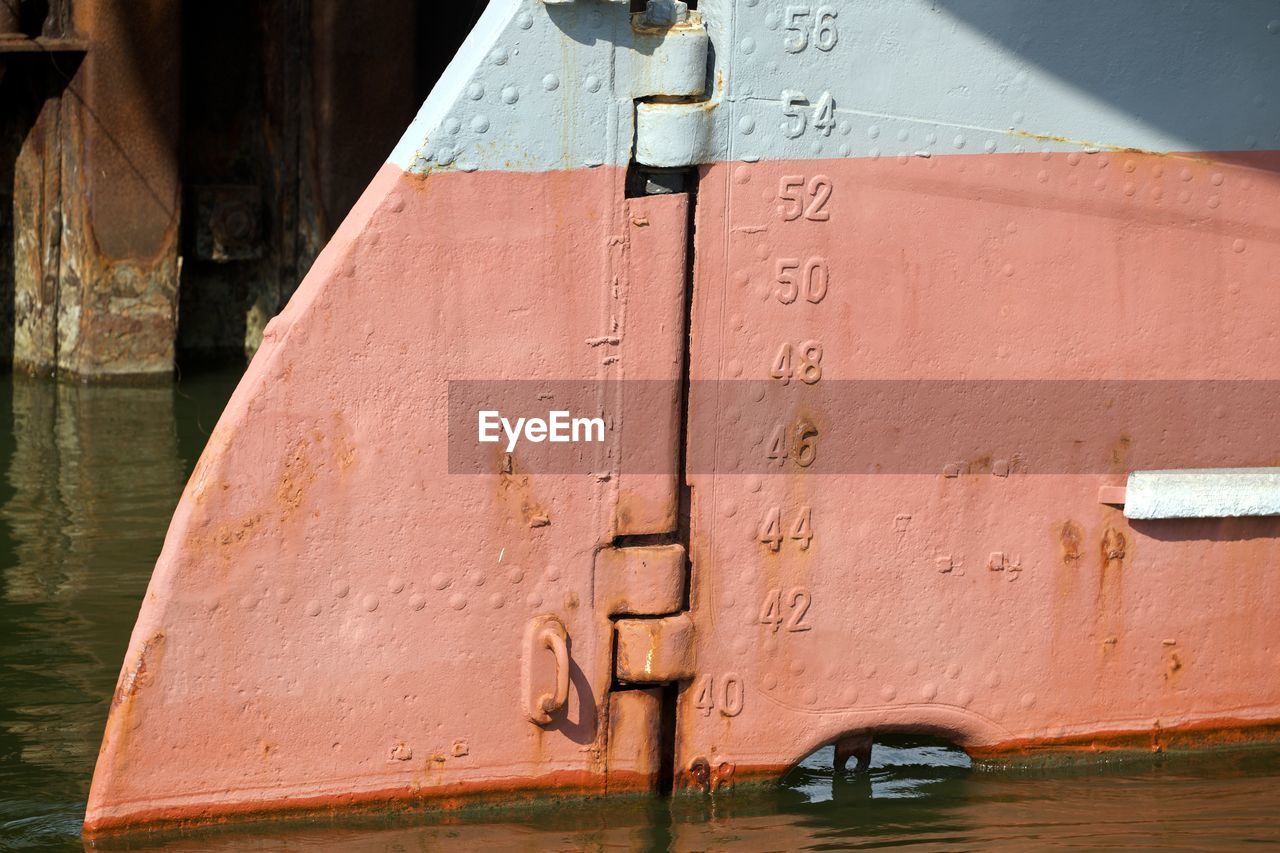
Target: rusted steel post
(278, 146)
(356, 106)
(118, 278)
(37, 212)
(37, 71)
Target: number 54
(824, 113)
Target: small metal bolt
(700, 774)
(666, 13)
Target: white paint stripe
(1203, 493)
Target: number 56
(825, 34)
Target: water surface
(88, 480)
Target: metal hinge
(655, 649)
(645, 584)
(642, 588)
(674, 116)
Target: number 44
(801, 528)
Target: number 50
(812, 283)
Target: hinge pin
(666, 13)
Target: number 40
(726, 693)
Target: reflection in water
(917, 795)
(90, 477)
(88, 480)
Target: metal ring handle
(555, 641)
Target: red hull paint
(336, 620)
(1003, 612)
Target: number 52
(793, 190)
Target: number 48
(809, 369)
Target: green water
(88, 480)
